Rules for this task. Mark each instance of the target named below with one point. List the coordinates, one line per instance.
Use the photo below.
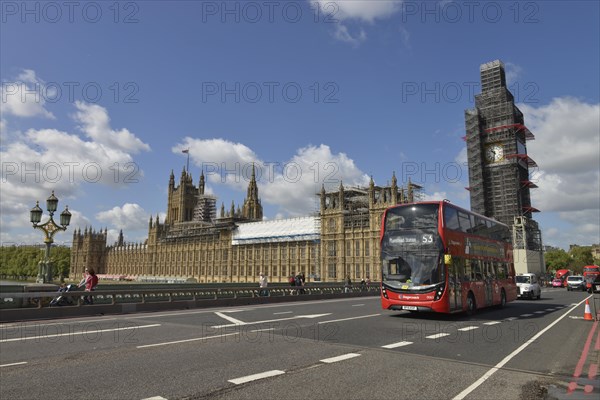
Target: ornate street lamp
(45, 272)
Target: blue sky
(99, 99)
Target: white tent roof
(279, 230)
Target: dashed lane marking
(398, 344)
(468, 328)
(13, 364)
(340, 358)
(437, 336)
(492, 323)
(254, 377)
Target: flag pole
(187, 166)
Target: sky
(100, 98)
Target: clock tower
(499, 166)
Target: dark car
(595, 285)
(575, 282)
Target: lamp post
(45, 272)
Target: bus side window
(475, 271)
(467, 272)
(501, 270)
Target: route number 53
(427, 239)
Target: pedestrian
(90, 281)
(292, 281)
(299, 283)
(363, 284)
(262, 283)
(348, 284)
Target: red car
(557, 282)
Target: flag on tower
(185, 151)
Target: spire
(341, 196)
(222, 210)
(172, 181)
(201, 183)
(371, 191)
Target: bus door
(455, 275)
(488, 272)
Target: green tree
(580, 256)
(556, 259)
(22, 261)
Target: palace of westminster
(342, 239)
(236, 246)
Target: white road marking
(394, 345)
(270, 320)
(250, 378)
(437, 336)
(347, 319)
(230, 319)
(357, 305)
(155, 398)
(506, 359)
(186, 340)
(526, 315)
(282, 312)
(539, 312)
(340, 358)
(78, 333)
(511, 318)
(492, 323)
(549, 309)
(468, 328)
(12, 364)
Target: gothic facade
(341, 240)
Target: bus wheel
(502, 298)
(471, 306)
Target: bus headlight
(384, 293)
(439, 292)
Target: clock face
(494, 153)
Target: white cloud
(513, 72)
(96, 125)
(131, 217)
(291, 185)
(566, 151)
(352, 12)
(25, 96)
(41, 160)
(342, 33)
(568, 178)
(364, 10)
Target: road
(332, 349)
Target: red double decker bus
(590, 273)
(439, 257)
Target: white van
(528, 286)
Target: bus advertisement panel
(438, 257)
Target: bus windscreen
(411, 248)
